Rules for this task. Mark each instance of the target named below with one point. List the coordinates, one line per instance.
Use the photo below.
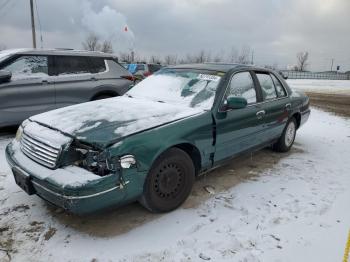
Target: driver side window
(242, 85)
(28, 66)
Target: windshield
(190, 88)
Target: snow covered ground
(264, 207)
(323, 86)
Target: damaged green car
(150, 144)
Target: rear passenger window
(242, 85)
(281, 92)
(70, 65)
(267, 86)
(97, 65)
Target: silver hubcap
(290, 134)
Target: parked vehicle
(35, 81)
(151, 144)
(141, 71)
(124, 64)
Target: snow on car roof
(53, 51)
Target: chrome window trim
(253, 104)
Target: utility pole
(33, 23)
(253, 57)
(332, 64)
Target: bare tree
(92, 43)
(243, 57)
(107, 47)
(2, 47)
(200, 57)
(274, 66)
(302, 58)
(233, 56)
(125, 57)
(154, 59)
(170, 59)
(219, 57)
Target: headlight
(127, 161)
(19, 134)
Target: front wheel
(169, 182)
(287, 138)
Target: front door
(238, 130)
(29, 92)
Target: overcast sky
(275, 29)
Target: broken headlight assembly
(102, 163)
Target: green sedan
(150, 144)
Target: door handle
(260, 114)
(288, 106)
(93, 78)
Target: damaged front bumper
(79, 197)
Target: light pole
(33, 23)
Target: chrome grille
(39, 151)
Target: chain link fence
(312, 75)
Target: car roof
(57, 51)
(221, 67)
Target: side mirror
(5, 76)
(235, 102)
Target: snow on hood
(110, 119)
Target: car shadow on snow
(11, 130)
(123, 219)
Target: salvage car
(33, 81)
(150, 144)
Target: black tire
(285, 142)
(169, 181)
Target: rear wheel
(287, 138)
(169, 181)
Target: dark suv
(33, 81)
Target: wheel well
(104, 93)
(194, 153)
(297, 117)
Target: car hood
(107, 121)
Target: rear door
(238, 130)
(30, 91)
(74, 80)
(276, 104)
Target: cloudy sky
(275, 29)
